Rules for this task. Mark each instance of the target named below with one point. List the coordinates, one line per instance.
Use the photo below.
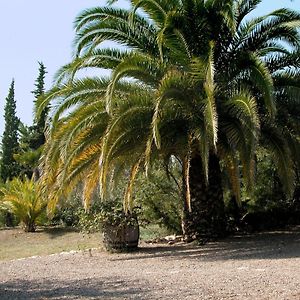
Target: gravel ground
(261, 266)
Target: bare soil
(258, 266)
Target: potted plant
(120, 229)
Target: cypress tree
(33, 137)
(10, 146)
(39, 123)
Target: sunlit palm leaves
(190, 77)
(25, 200)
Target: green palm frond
(243, 8)
(275, 141)
(191, 78)
(156, 9)
(135, 66)
(106, 23)
(97, 58)
(264, 81)
(128, 205)
(24, 199)
(210, 110)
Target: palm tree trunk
(36, 173)
(9, 220)
(207, 218)
(30, 226)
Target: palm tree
(196, 80)
(22, 197)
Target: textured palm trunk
(36, 174)
(30, 226)
(9, 220)
(207, 218)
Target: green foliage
(10, 145)
(38, 137)
(157, 195)
(153, 232)
(2, 217)
(110, 212)
(32, 138)
(266, 206)
(7, 219)
(23, 198)
(219, 91)
(160, 198)
(28, 157)
(268, 191)
(69, 210)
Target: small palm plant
(23, 198)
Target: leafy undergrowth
(152, 232)
(15, 243)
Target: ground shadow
(54, 232)
(90, 288)
(267, 245)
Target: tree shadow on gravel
(267, 245)
(106, 288)
(54, 232)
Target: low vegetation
(24, 200)
(204, 141)
(15, 243)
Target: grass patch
(15, 243)
(153, 231)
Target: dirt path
(264, 266)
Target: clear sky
(35, 30)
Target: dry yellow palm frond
(128, 195)
(91, 182)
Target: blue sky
(35, 30)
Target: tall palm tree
(197, 80)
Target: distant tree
(28, 157)
(10, 146)
(40, 122)
(33, 137)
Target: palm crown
(196, 79)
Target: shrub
(109, 212)
(69, 210)
(24, 200)
(160, 198)
(268, 207)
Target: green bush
(107, 212)
(157, 197)
(160, 198)
(68, 212)
(5, 214)
(268, 207)
(24, 199)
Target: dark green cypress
(10, 146)
(33, 137)
(40, 123)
